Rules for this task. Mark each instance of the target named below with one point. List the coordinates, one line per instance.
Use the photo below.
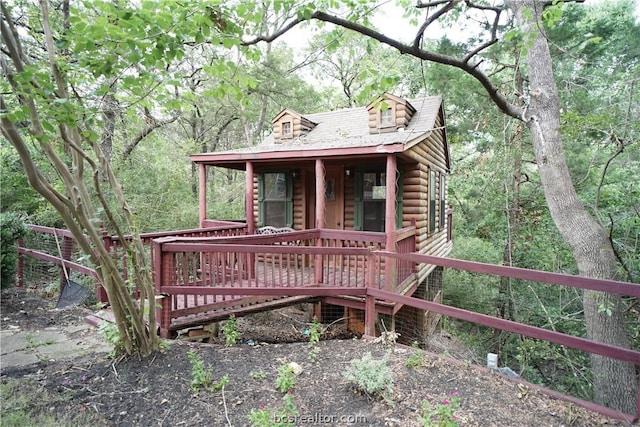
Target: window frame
(391, 108)
(359, 200)
(287, 200)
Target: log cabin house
(377, 170)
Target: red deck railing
(200, 270)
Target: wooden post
(20, 265)
(202, 193)
(163, 314)
(320, 207)
(251, 224)
(101, 293)
(370, 302)
(390, 270)
(248, 199)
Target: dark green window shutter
(399, 199)
(260, 201)
(289, 203)
(357, 203)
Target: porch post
(320, 207)
(248, 199)
(320, 193)
(202, 192)
(391, 277)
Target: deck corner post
(20, 264)
(163, 314)
(101, 293)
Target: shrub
(230, 329)
(371, 376)
(286, 377)
(12, 227)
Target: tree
(58, 67)
(614, 382)
(62, 138)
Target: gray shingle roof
(350, 128)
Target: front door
(334, 203)
(334, 198)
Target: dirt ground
(156, 391)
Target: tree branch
(445, 9)
(499, 99)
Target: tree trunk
(614, 382)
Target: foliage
(285, 415)
(440, 414)
(15, 193)
(111, 334)
(315, 333)
(12, 228)
(416, 357)
(231, 334)
(286, 379)
(371, 376)
(203, 375)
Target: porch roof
(338, 133)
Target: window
(386, 117)
(286, 129)
(371, 198)
(373, 201)
(275, 199)
(432, 201)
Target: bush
(371, 376)
(12, 227)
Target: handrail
(608, 350)
(50, 230)
(603, 285)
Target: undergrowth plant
(285, 415)
(110, 333)
(230, 329)
(371, 376)
(315, 333)
(203, 375)
(440, 414)
(286, 378)
(416, 357)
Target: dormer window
(289, 125)
(389, 113)
(387, 118)
(287, 130)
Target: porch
(208, 279)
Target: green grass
(27, 404)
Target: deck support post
(320, 207)
(370, 316)
(202, 193)
(390, 270)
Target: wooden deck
(207, 279)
